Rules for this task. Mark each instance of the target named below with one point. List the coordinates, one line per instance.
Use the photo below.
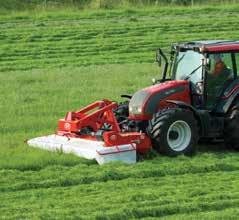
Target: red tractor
(197, 98)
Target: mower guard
(86, 148)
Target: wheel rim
(179, 135)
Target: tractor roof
(214, 46)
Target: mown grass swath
(58, 61)
(102, 38)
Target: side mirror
(158, 57)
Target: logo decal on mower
(67, 126)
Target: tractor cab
(211, 67)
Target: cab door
(220, 73)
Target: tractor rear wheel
(231, 137)
(174, 132)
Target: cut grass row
(141, 198)
(43, 44)
(87, 172)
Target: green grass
(54, 62)
(23, 5)
(67, 38)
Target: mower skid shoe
(86, 148)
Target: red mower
(197, 98)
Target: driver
(220, 67)
(217, 77)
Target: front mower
(197, 98)
(94, 133)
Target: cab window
(188, 65)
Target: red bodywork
(162, 88)
(95, 116)
(75, 121)
(221, 48)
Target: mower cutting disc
(86, 148)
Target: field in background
(16, 5)
(81, 38)
(54, 62)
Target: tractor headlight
(135, 109)
(139, 109)
(137, 102)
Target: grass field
(23, 5)
(56, 61)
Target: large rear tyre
(231, 136)
(174, 132)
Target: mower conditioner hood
(150, 100)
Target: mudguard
(230, 94)
(201, 116)
(210, 126)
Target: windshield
(188, 65)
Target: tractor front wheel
(174, 132)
